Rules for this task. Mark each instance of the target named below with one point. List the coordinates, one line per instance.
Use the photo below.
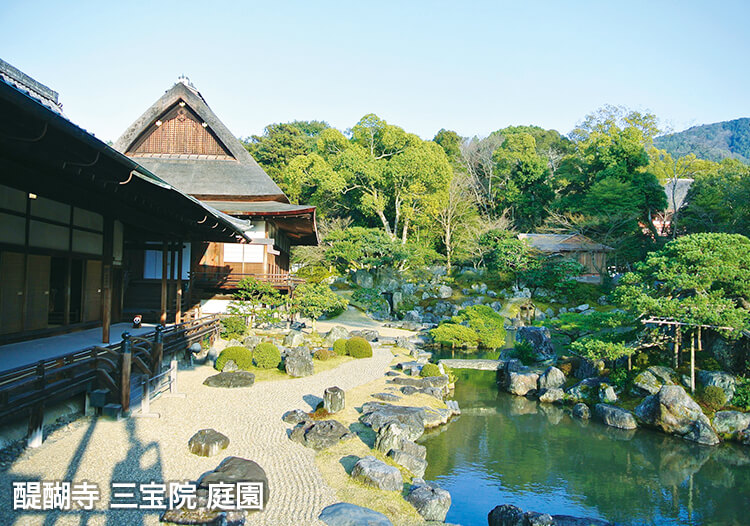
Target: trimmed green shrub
(358, 347)
(324, 354)
(454, 335)
(713, 397)
(267, 356)
(339, 346)
(232, 326)
(242, 356)
(430, 369)
(488, 324)
(741, 397)
(641, 360)
(524, 351)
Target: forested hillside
(717, 141)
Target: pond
(505, 449)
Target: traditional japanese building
(181, 139)
(587, 252)
(70, 208)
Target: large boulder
(551, 396)
(345, 514)
(445, 292)
(416, 465)
(724, 381)
(207, 442)
(509, 515)
(294, 339)
(607, 394)
(586, 390)
(431, 502)
(321, 434)
(230, 380)
(674, 412)
(299, 362)
(408, 420)
(551, 378)
(378, 474)
(539, 338)
(615, 416)
(649, 382)
(391, 436)
(732, 425)
(295, 416)
(581, 411)
(371, 335)
(333, 399)
(522, 382)
(589, 369)
(363, 279)
(337, 332)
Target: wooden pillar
(172, 265)
(692, 362)
(157, 351)
(107, 278)
(163, 317)
(125, 363)
(178, 296)
(677, 340)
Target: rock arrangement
(509, 515)
(207, 442)
(230, 380)
(673, 411)
(320, 434)
(230, 471)
(333, 400)
(378, 474)
(431, 502)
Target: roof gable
(171, 149)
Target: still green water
(508, 449)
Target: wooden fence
(229, 280)
(106, 370)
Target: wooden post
(107, 278)
(692, 362)
(158, 350)
(173, 376)
(172, 265)
(677, 340)
(125, 363)
(700, 340)
(178, 312)
(36, 420)
(163, 317)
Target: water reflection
(507, 449)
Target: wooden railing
(32, 387)
(230, 280)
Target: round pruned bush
(267, 356)
(232, 327)
(324, 354)
(430, 369)
(358, 347)
(714, 397)
(339, 346)
(454, 335)
(242, 356)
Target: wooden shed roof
(554, 243)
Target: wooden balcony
(227, 280)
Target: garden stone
(409, 390)
(229, 366)
(295, 416)
(376, 473)
(371, 335)
(412, 448)
(445, 292)
(607, 394)
(405, 343)
(412, 316)
(387, 397)
(645, 383)
(539, 339)
(391, 436)
(581, 411)
(320, 435)
(431, 502)
(391, 373)
(415, 465)
(345, 514)
(364, 279)
(207, 442)
(333, 400)
(509, 515)
(251, 341)
(552, 395)
(583, 307)
(662, 373)
(521, 383)
(551, 378)
(585, 390)
(299, 362)
(724, 381)
(428, 381)
(589, 369)
(410, 419)
(337, 332)
(435, 392)
(674, 412)
(294, 339)
(615, 416)
(233, 470)
(731, 423)
(230, 380)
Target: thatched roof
(227, 171)
(557, 243)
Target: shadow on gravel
(312, 401)
(364, 433)
(348, 463)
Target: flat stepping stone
(207, 442)
(386, 397)
(392, 373)
(230, 380)
(345, 514)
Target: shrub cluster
(324, 354)
(267, 356)
(524, 351)
(478, 325)
(454, 335)
(242, 356)
(339, 346)
(430, 369)
(741, 397)
(358, 347)
(713, 397)
(232, 326)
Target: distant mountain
(714, 142)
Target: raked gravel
(155, 449)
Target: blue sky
(473, 67)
